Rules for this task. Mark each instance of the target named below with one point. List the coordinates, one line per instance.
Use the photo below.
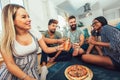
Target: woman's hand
(91, 41)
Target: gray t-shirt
(57, 35)
(73, 35)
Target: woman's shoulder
(107, 27)
(35, 33)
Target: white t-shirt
(21, 50)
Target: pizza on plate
(77, 72)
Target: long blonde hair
(8, 29)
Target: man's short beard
(52, 32)
(73, 28)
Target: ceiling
(76, 6)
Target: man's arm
(81, 40)
(50, 41)
(54, 41)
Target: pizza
(77, 72)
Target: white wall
(112, 14)
(52, 10)
(88, 20)
(37, 13)
(4, 2)
(40, 12)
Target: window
(0, 17)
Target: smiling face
(22, 20)
(52, 27)
(72, 23)
(96, 25)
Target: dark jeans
(63, 56)
(85, 46)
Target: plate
(89, 77)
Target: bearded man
(76, 36)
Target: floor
(57, 71)
(48, 64)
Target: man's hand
(60, 41)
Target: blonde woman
(19, 45)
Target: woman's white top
(21, 50)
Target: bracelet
(23, 77)
(56, 48)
